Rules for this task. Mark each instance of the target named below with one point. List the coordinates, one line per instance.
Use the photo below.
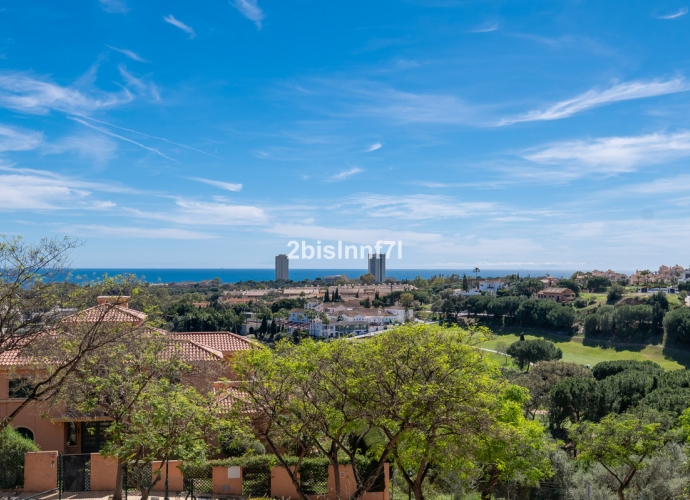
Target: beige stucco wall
(175, 481)
(40, 471)
(103, 472)
(47, 435)
(223, 485)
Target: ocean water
(235, 275)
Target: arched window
(27, 433)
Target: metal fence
(256, 480)
(74, 472)
(197, 480)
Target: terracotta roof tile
(224, 342)
(191, 351)
(107, 313)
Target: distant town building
(377, 266)
(282, 270)
(557, 294)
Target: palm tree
(476, 272)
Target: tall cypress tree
(325, 297)
(264, 327)
(336, 296)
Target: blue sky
(514, 134)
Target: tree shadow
(679, 354)
(551, 335)
(616, 346)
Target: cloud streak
(679, 13)
(170, 19)
(122, 138)
(595, 98)
(12, 139)
(26, 94)
(219, 184)
(250, 10)
(612, 155)
(132, 55)
(345, 174)
(374, 147)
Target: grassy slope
(574, 350)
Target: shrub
(615, 293)
(677, 325)
(609, 368)
(13, 446)
(531, 351)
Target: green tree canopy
(531, 351)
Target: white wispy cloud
(219, 184)
(419, 207)
(114, 6)
(122, 138)
(487, 27)
(22, 189)
(250, 10)
(197, 213)
(595, 98)
(138, 85)
(27, 94)
(345, 174)
(167, 233)
(88, 145)
(374, 147)
(170, 19)
(679, 13)
(94, 120)
(132, 55)
(13, 139)
(612, 155)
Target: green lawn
(574, 350)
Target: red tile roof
(224, 342)
(191, 351)
(107, 313)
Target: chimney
(120, 300)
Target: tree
(518, 450)
(476, 272)
(659, 298)
(367, 279)
(465, 283)
(53, 356)
(31, 286)
(336, 296)
(542, 378)
(614, 294)
(409, 394)
(117, 381)
(263, 328)
(598, 283)
(622, 444)
(326, 297)
(531, 351)
(677, 325)
(169, 421)
(573, 399)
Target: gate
(75, 473)
(256, 480)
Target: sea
(236, 275)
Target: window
(71, 434)
(20, 388)
(27, 433)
